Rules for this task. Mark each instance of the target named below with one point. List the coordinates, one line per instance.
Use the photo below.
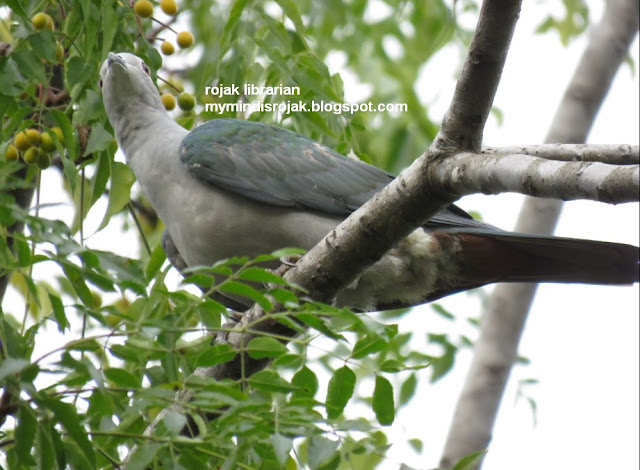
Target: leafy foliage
(130, 340)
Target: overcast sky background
(582, 340)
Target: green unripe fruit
(12, 154)
(186, 101)
(33, 136)
(59, 52)
(30, 156)
(58, 132)
(21, 141)
(41, 21)
(44, 160)
(46, 142)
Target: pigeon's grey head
(127, 86)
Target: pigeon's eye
(100, 83)
(145, 68)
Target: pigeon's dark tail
(515, 257)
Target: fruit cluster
(144, 9)
(184, 40)
(42, 21)
(34, 146)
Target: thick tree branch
(467, 173)
(622, 154)
(464, 121)
(505, 316)
(413, 197)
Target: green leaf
(383, 405)
(17, 7)
(44, 45)
(120, 192)
(237, 288)
(440, 310)
(25, 433)
(234, 16)
(11, 80)
(289, 8)
(76, 278)
(122, 378)
(29, 65)
(260, 275)
(319, 324)
(367, 345)
(143, 456)
(408, 389)
(109, 25)
(45, 448)
(90, 108)
(282, 447)
(270, 381)
(70, 170)
(417, 445)
(392, 365)
(321, 451)
(261, 347)
(156, 260)
(101, 177)
(215, 355)
(99, 139)
(77, 72)
(340, 391)
(67, 415)
(470, 461)
(306, 381)
(210, 313)
(174, 422)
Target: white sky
(582, 340)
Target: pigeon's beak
(115, 59)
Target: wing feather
(276, 166)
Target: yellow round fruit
(59, 52)
(12, 154)
(186, 101)
(46, 142)
(41, 21)
(33, 136)
(167, 48)
(184, 39)
(169, 7)
(143, 8)
(21, 142)
(58, 132)
(30, 156)
(168, 101)
(44, 160)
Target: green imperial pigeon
(240, 188)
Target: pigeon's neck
(143, 127)
(150, 140)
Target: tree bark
(506, 312)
